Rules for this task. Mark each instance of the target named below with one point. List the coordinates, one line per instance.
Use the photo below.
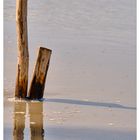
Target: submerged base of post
(37, 86)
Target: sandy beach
(90, 91)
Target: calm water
(93, 60)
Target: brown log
(37, 86)
(22, 45)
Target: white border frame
(1, 69)
(138, 70)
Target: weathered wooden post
(22, 44)
(36, 90)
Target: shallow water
(91, 83)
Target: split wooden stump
(37, 86)
(42, 64)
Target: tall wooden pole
(22, 44)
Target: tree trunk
(39, 76)
(22, 44)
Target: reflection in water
(19, 120)
(36, 120)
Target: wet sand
(91, 84)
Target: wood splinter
(37, 86)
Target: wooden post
(36, 90)
(22, 44)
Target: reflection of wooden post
(19, 120)
(36, 121)
(22, 44)
(39, 77)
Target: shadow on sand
(89, 103)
